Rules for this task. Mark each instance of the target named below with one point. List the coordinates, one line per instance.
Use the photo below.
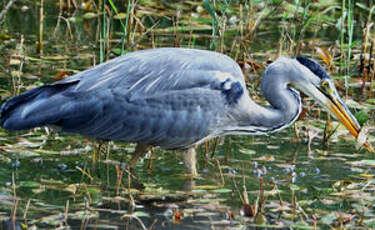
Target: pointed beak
(343, 114)
(337, 107)
(329, 98)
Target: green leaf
(29, 184)
(371, 224)
(247, 151)
(222, 190)
(141, 214)
(209, 9)
(328, 219)
(302, 226)
(113, 6)
(361, 116)
(294, 187)
(90, 15)
(365, 162)
(199, 191)
(362, 6)
(358, 170)
(260, 219)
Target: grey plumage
(163, 96)
(171, 97)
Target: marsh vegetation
(312, 175)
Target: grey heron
(174, 98)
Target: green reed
(214, 22)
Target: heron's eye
(326, 86)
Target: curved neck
(285, 108)
(279, 115)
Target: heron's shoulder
(176, 51)
(282, 64)
(283, 60)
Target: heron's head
(314, 81)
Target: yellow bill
(338, 108)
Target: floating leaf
(328, 219)
(90, 15)
(14, 61)
(47, 152)
(265, 158)
(84, 214)
(364, 163)
(53, 219)
(329, 201)
(207, 187)
(302, 226)
(141, 214)
(294, 187)
(247, 151)
(260, 219)
(222, 190)
(29, 184)
(71, 188)
(199, 191)
(273, 147)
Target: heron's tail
(37, 107)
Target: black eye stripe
(313, 66)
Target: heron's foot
(140, 151)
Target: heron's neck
(285, 107)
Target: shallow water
(60, 180)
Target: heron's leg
(189, 185)
(149, 166)
(140, 151)
(190, 159)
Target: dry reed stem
(66, 212)
(220, 172)
(371, 68)
(26, 208)
(58, 18)
(137, 218)
(41, 19)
